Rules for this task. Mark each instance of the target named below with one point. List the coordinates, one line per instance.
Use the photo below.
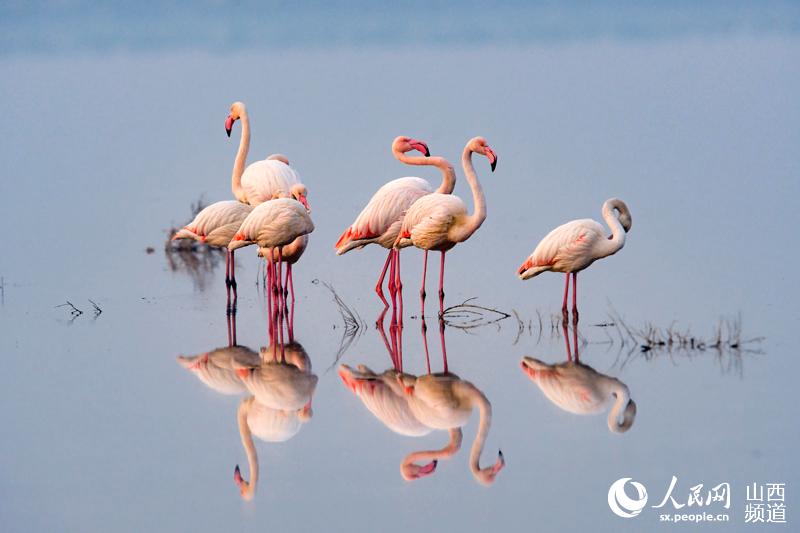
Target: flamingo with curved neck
(379, 222)
(246, 488)
(575, 245)
(258, 182)
(409, 468)
(440, 221)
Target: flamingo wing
(568, 248)
(382, 216)
(263, 179)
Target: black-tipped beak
(427, 152)
(494, 163)
(229, 125)
(228, 131)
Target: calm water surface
(104, 152)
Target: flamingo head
(480, 146)
(411, 471)
(279, 157)
(245, 489)
(534, 368)
(237, 111)
(487, 475)
(300, 193)
(403, 144)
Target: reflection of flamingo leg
(444, 348)
(422, 290)
(268, 288)
(566, 293)
(379, 286)
(281, 303)
(441, 287)
(231, 342)
(575, 297)
(575, 339)
(565, 330)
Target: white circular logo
(621, 504)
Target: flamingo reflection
(578, 388)
(415, 406)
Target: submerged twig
(468, 315)
(97, 310)
(74, 311)
(354, 325)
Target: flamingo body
(429, 222)
(264, 179)
(274, 223)
(380, 221)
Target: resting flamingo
(575, 245)
(260, 181)
(216, 225)
(274, 224)
(379, 222)
(578, 388)
(440, 221)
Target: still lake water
(104, 151)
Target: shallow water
(103, 152)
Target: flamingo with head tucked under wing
(216, 225)
(440, 221)
(575, 245)
(379, 222)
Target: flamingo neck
(448, 172)
(477, 399)
(249, 447)
(241, 160)
(471, 223)
(610, 246)
(623, 400)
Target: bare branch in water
(466, 315)
(354, 325)
(97, 310)
(73, 311)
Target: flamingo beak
(492, 157)
(428, 469)
(304, 201)
(237, 477)
(420, 147)
(229, 124)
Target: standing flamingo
(440, 221)
(575, 245)
(260, 181)
(379, 222)
(216, 225)
(274, 224)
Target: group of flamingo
(271, 211)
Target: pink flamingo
(575, 245)
(274, 224)
(379, 222)
(440, 221)
(216, 225)
(261, 180)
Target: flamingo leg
(574, 297)
(268, 288)
(422, 290)
(424, 329)
(228, 278)
(564, 305)
(398, 286)
(281, 304)
(233, 278)
(444, 347)
(391, 285)
(291, 291)
(441, 287)
(379, 285)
